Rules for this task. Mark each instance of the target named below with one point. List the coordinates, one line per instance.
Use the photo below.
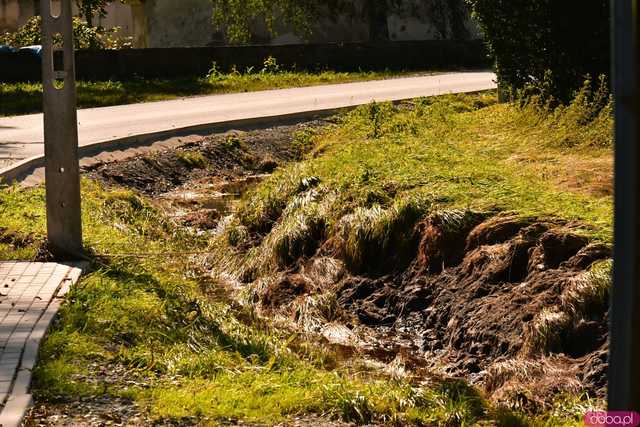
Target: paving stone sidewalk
(30, 296)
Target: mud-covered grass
(432, 263)
(148, 341)
(478, 232)
(26, 98)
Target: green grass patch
(384, 166)
(193, 159)
(147, 320)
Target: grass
(179, 353)
(585, 296)
(154, 330)
(193, 159)
(384, 166)
(25, 98)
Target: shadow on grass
(185, 318)
(26, 98)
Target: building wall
(182, 23)
(185, 23)
(14, 13)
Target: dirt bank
(516, 306)
(231, 156)
(200, 182)
(507, 304)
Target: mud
(201, 181)
(499, 300)
(15, 239)
(473, 305)
(229, 156)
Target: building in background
(174, 23)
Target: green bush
(529, 39)
(85, 36)
(584, 121)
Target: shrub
(85, 36)
(587, 120)
(529, 38)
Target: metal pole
(62, 174)
(624, 351)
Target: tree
(90, 8)
(84, 36)
(555, 42)
(236, 16)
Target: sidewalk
(30, 296)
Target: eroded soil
(200, 182)
(503, 301)
(498, 304)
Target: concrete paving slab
(28, 312)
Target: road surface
(21, 137)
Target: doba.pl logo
(612, 419)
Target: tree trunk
(377, 14)
(88, 15)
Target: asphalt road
(21, 137)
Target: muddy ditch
(517, 306)
(201, 181)
(507, 303)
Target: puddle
(202, 204)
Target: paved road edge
(18, 171)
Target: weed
(193, 159)
(586, 121)
(232, 142)
(350, 406)
(303, 141)
(270, 66)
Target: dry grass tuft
(524, 384)
(589, 292)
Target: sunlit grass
(371, 177)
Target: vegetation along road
(21, 137)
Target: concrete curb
(19, 171)
(15, 410)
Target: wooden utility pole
(624, 351)
(64, 226)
